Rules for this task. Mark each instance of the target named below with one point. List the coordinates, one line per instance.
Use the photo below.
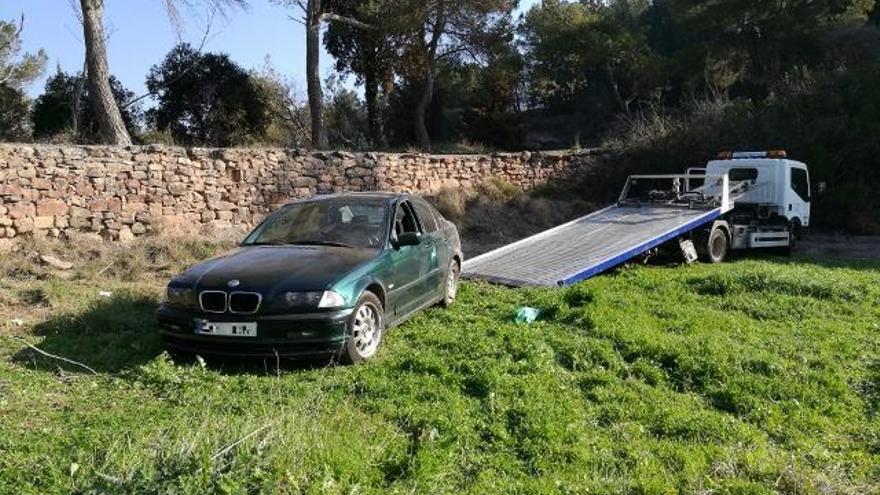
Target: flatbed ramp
(584, 247)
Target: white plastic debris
(105, 293)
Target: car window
(425, 214)
(338, 221)
(404, 220)
(800, 184)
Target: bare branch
(184, 71)
(53, 356)
(296, 19)
(76, 9)
(238, 442)
(329, 16)
(174, 17)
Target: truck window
(800, 184)
(740, 174)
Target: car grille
(244, 302)
(213, 301)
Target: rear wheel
(716, 246)
(450, 286)
(365, 330)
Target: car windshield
(355, 223)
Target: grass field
(752, 377)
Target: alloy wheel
(365, 330)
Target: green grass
(753, 377)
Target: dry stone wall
(123, 192)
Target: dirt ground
(833, 247)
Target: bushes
(497, 212)
(829, 120)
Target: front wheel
(450, 286)
(716, 247)
(365, 329)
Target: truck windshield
(354, 223)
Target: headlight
(331, 299)
(324, 300)
(179, 296)
(301, 299)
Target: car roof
(388, 196)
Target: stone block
(43, 223)
(21, 210)
(51, 207)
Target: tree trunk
(112, 127)
(374, 116)
(313, 73)
(422, 110)
(430, 53)
(615, 91)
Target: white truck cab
(779, 187)
(772, 205)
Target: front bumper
(289, 336)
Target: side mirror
(407, 239)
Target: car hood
(267, 269)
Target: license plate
(226, 329)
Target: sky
(140, 34)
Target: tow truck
(741, 200)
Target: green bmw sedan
(320, 277)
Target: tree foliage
(206, 99)
(368, 54)
(13, 115)
(63, 110)
(288, 118)
(16, 71)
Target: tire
(450, 285)
(366, 327)
(715, 249)
(796, 230)
(794, 235)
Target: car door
(435, 258)
(404, 282)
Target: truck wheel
(793, 237)
(716, 247)
(796, 230)
(365, 330)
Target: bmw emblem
(233, 283)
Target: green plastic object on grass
(526, 314)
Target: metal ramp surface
(587, 246)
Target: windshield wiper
(320, 243)
(265, 243)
